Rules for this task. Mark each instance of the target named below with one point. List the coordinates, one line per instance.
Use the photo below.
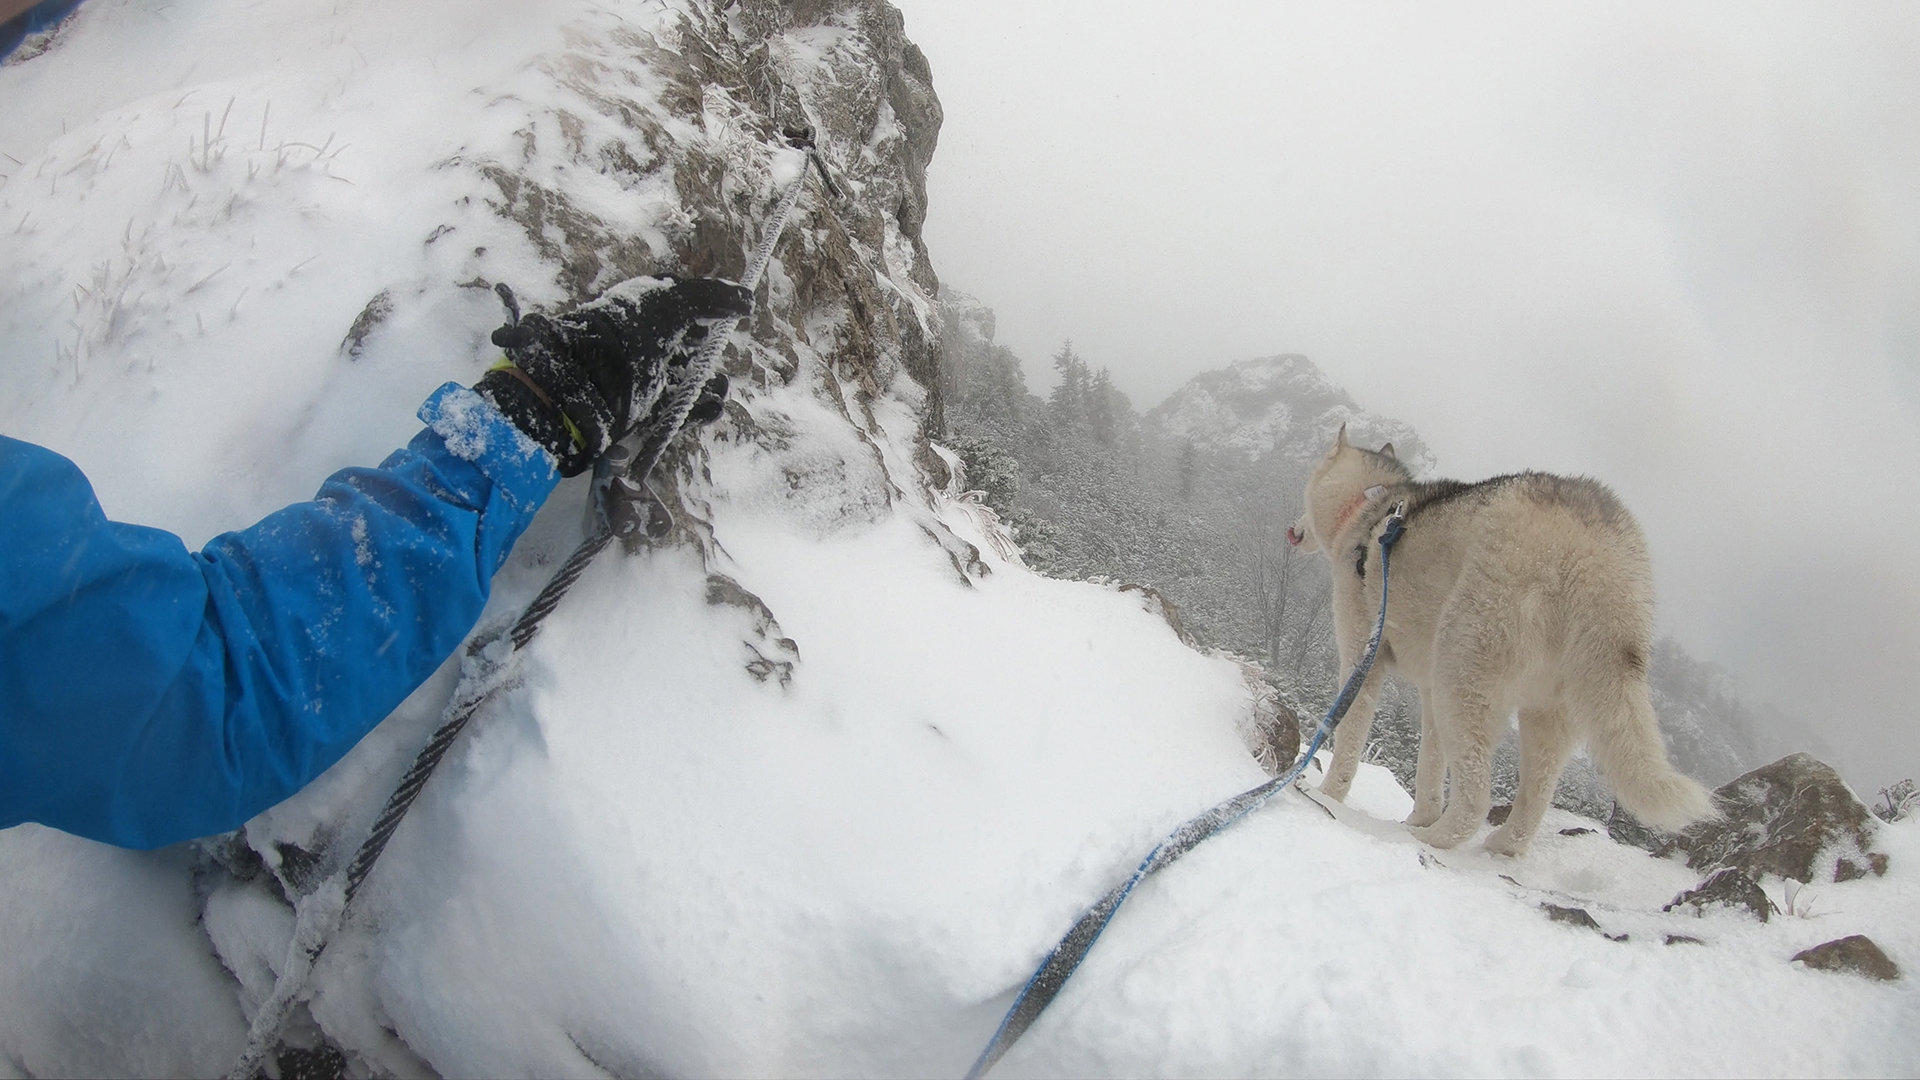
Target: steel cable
(318, 914)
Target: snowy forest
(1193, 498)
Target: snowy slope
(665, 850)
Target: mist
(1674, 249)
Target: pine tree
(1069, 399)
(1100, 412)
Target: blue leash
(1059, 965)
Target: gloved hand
(583, 380)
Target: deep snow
(644, 859)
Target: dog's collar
(1353, 507)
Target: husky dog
(1528, 592)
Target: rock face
(693, 156)
(1794, 819)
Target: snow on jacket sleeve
(149, 694)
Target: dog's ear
(1339, 441)
(1387, 451)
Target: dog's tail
(1626, 744)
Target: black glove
(583, 380)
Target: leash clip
(1396, 525)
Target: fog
(1677, 249)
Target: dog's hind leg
(1545, 743)
(1430, 777)
(1464, 719)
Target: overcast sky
(1676, 247)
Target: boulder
(1794, 819)
(1856, 954)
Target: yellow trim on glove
(507, 365)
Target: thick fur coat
(1528, 594)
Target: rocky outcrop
(1795, 818)
(857, 287)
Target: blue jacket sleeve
(149, 694)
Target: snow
(642, 857)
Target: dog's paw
(1439, 835)
(1423, 815)
(1503, 842)
(1335, 788)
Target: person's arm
(18, 18)
(149, 694)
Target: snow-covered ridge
(810, 788)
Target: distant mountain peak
(1283, 401)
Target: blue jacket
(149, 694)
(42, 16)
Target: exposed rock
(1575, 832)
(1728, 888)
(1857, 954)
(1498, 814)
(1794, 819)
(376, 312)
(1624, 828)
(1683, 939)
(770, 654)
(1157, 602)
(1572, 916)
(688, 136)
(1270, 727)
(1845, 869)
(1277, 744)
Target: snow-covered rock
(1284, 402)
(1795, 819)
